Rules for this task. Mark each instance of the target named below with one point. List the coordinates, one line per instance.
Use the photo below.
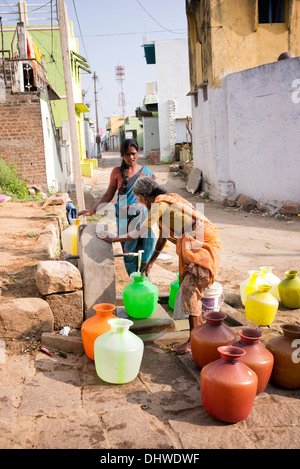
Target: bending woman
(129, 212)
(197, 240)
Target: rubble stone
(249, 204)
(22, 317)
(67, 309)
(57, 277)
(290, 209)
(241, 200)
(230, 201)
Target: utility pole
(120, 77)
(63, 29)
(98, 141)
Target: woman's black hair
(129, 142)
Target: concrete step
(158, 322)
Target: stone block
(230, 201)
(62, 343)
(290, 209)
(22, 317)
(154, 157)
(57, 277)
(249, 204)
(97, 268)
(241, 200)
(67, 309)
(194, 180)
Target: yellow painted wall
(232, 40)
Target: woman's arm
(135, 234)
(160, 244)
(105, 199)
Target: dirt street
(250, 240)
(51, 402)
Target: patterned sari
(130, 215)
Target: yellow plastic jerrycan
(271, 279)
(69, 238)
(261, 306)
(250, 284)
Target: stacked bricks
(21, 135)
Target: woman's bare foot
(182, 349)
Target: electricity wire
(169, 30)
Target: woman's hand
(107, 236)
(146, 269)
(84, 213)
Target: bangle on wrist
(90, 213)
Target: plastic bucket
(212, 298)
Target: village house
(33, 107)
(172, 84)
(245, 106)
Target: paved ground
(59, 402)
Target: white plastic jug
(118, 353)
(270, 279)
(250, 284)
(69, 238)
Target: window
(271, 11)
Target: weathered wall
(232, 40)
(172, 73)
(21, 135)
(27, 139)
(246, 135)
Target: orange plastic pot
(96, 325)
(228, 386)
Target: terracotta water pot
(228, 386)
(286, 352)
(257, 357)
(206, 338)
(96, 325)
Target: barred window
(271, 11)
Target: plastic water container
(140, 296)
(174, 288)
(69, 238)
(250, 284)
(261, 306)
(270, 279)
(212, 298)
(96, 325)
(118, 353)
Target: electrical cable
(80, 30)
(169, 30)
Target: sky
(111, 33)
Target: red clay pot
(257, 357)
(206, 338)
(286, 352)
(228, 386)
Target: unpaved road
(249, 241)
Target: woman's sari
(130, 215)
(200, 245)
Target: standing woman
(130, 214)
